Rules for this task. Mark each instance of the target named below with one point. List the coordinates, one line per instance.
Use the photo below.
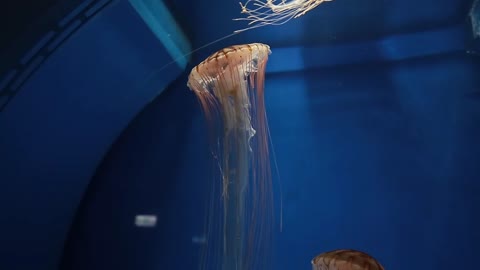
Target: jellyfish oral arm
(234, 200)
(237, 121)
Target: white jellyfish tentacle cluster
(274, 12)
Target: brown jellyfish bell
(230, 87)
(345, 259)
(274, 12)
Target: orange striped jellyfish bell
(345, 259)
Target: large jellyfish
(230, 87)
(274, 12)
(345, 259)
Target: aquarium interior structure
(373, 111)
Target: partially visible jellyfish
(230, 87)
(475, 18)
(345, 259)
(274, 12)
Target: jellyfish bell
(229, 85)
(226, 67)
(229, 78)
(345, 259)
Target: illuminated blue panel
(163, 25)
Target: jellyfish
(345, 259)
(274, 12)
(230, 88)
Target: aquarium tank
(239, 135)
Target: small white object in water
(145, 220)
(199, 239)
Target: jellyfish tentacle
(259, 13)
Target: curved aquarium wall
(302, 134)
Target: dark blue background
(374, 114)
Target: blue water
(374, 116)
